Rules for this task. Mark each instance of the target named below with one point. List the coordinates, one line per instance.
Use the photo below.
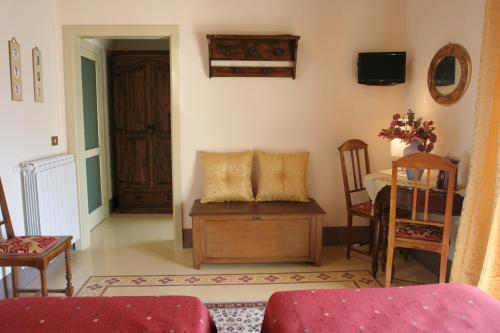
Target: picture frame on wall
(16, 82)
(37, 75)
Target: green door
(92, 113)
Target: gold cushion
(282, 177)
(227, 176)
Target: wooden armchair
(354, 184)
(420, 232)
(32, 251)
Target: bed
(431, 308)
(177, 314)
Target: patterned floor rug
(232, 317)
(237, 317)
(99, 285)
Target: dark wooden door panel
(133, 161)
(141, 88)
(137, 116)
(160, 99)
(131, 98)
(162, 161)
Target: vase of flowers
(412, 148)
(416, 133)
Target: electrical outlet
(54, 140)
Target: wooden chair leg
(388, 271)
(69, 286)
(14, 281)
(349, 234)
(43, 282)
(442, 268)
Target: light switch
(54, 140)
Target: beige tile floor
(132, 244)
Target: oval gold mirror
(449, 74)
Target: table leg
(375, 244)
(383, 234)
(69, 287)
(370, 244)
(43, 282)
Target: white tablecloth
(375, 182)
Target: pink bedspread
(437, 308)
(179, 314)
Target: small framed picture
(37, 74)
(16, 82)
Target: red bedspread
(105, 314)
(432, 308)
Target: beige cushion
(282, 177)
(226, 176)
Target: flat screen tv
(381, 68)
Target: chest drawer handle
(257, 218)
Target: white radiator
(50, 197)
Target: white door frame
(72, 35)
(94, 53)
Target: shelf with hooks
(252, 55)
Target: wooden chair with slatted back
(353, 148)
(32, 251)
(420, 232)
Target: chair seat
(363, 208)
(27, 245)
(420, 232)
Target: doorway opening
(137, 77)
(122, 111)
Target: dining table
(378, 187)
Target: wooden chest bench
(257, 232)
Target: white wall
(321, 108)
(318, 111)
(430, 26)
(26, 126)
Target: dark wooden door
(141, 91)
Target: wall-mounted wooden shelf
(252, 48)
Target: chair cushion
(418, 231)
(27, 245)
(365, 208)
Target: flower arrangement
(410, 129)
